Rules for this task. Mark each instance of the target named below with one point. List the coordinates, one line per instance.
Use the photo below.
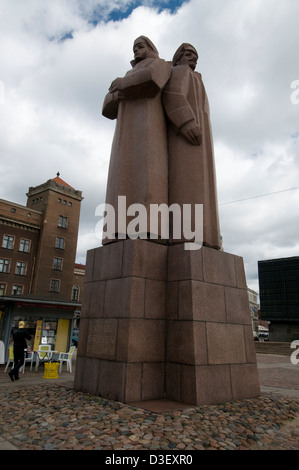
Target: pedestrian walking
(20, 335)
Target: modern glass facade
(279, 289)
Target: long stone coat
(192, 177)
(139, 161)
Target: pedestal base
(160, 322)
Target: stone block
(111, 380)
(84, 322)
(172, 300)
(108, 262)
(237, 306)
(186, 342)
(184, 264)
(206, 385)
(133, 382)
(86, 300)
(245, 381)
(153, 380)
(173, 381)
(124, 297)
(144, 259)
(102, 335)
(201, 301)
(218, 267)
(225, 343)
(96, 301)
(188, 384)
(249, 344)
(86, 378)
(240, 272)
(155, 299)
(120, 381)
(88, 277)
(141, 340)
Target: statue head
(186, 54)
(143, 48)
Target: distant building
(253, 309)
(279, 297)
(39, 280)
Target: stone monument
(164, 316)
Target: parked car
(264, 336)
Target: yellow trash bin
(51, 370)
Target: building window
(4, 265)
(21, 268)
(2, 288)
(75, 293)
(55, 285)
(57, 264)
(17, 290)
(8, 242)
(60, 242)
(62, 221)
(25, 245)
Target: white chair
(66, 357)
(10, 358)
(29, 356)
(43, 354)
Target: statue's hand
(115, 85)
(116, 89)
(191, 132)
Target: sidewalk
(278, 375)
(57, 417)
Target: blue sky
(118, 14)
(58, 58)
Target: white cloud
(51, 115)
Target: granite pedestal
(162, 322)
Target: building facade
(253, 309)
(39, 280)
(279, 297)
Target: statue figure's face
(141, 51)
(189, 58)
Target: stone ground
(47, 414)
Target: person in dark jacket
(20, 336)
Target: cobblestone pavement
(47, 414)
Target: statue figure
(139, 160)
(190, 145)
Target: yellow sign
(38, 333)
(62, 334)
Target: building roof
(60, 181)
(80, 266)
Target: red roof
(80, 266)
(60, 181)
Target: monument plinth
(162, 322)
(161, 319)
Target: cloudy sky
(58, 58)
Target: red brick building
(39, 279)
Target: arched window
(75, 293)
